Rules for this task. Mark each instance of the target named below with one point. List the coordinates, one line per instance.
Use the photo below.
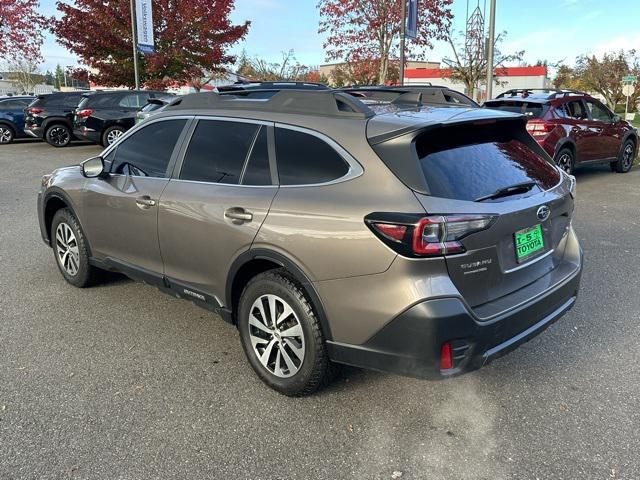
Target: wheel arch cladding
(566, 143)
(254, 262)
(54, 202)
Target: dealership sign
(144, 25)
(412, 19)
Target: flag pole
(135, 44)
(403, 32)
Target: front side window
(218, 151)
(305, 159)
(147, 152)
(598, 112)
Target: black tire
(7, 134)
(85, 274)
(625, 157)
(315, 370)
(58, 135)
(565, 159)
(110, 132)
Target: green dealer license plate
(528, 242)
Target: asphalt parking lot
(123, 382)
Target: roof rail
(553, 92)
(328, 103)
(273, 84)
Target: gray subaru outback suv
(424, 241)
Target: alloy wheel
(5, 135)
(627, 156)
(67, 249)
(276, 336)
(564, 162)
(113, 135)
(59, 136)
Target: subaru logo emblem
(543, 213)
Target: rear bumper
(410, 344)
(87, 134)
(35, 132)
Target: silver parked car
(425, 241)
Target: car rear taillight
(430, 236)
(34, 110)
(85, 112)
(539, 128)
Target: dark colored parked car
(104, 116)
(50, 117)
(153, 106)
(425, 241)
(12, 117)
(573, 127)
(428, 94)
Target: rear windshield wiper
(506, 191)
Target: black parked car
(12, 117)
(50, 117)
(104, 116)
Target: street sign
(629, 79)
(144, 26)
(412, 19)
(628, 89)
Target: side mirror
(92, 168)
(616, 118)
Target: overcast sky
(545, 29)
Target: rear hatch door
(496, 169)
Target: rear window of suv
(468, 162)
(529, 109)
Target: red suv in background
(573, 127)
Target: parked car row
(572, 127)
(59, 118)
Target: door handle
(145, 202)
(240, 214)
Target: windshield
(530, 109)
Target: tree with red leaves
(20, 30)
(191, 40)
(367, 32)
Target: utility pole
(134, 42)
(403, 32)
(492, 35)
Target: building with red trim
(509, 78)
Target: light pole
(492, 34)
(403, 32)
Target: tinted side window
(304, 159)
(148, 151)
(218, 151)
(257, 171)
(576, 110)
(598, 112)
(71, 101)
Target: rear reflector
(446, 356)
